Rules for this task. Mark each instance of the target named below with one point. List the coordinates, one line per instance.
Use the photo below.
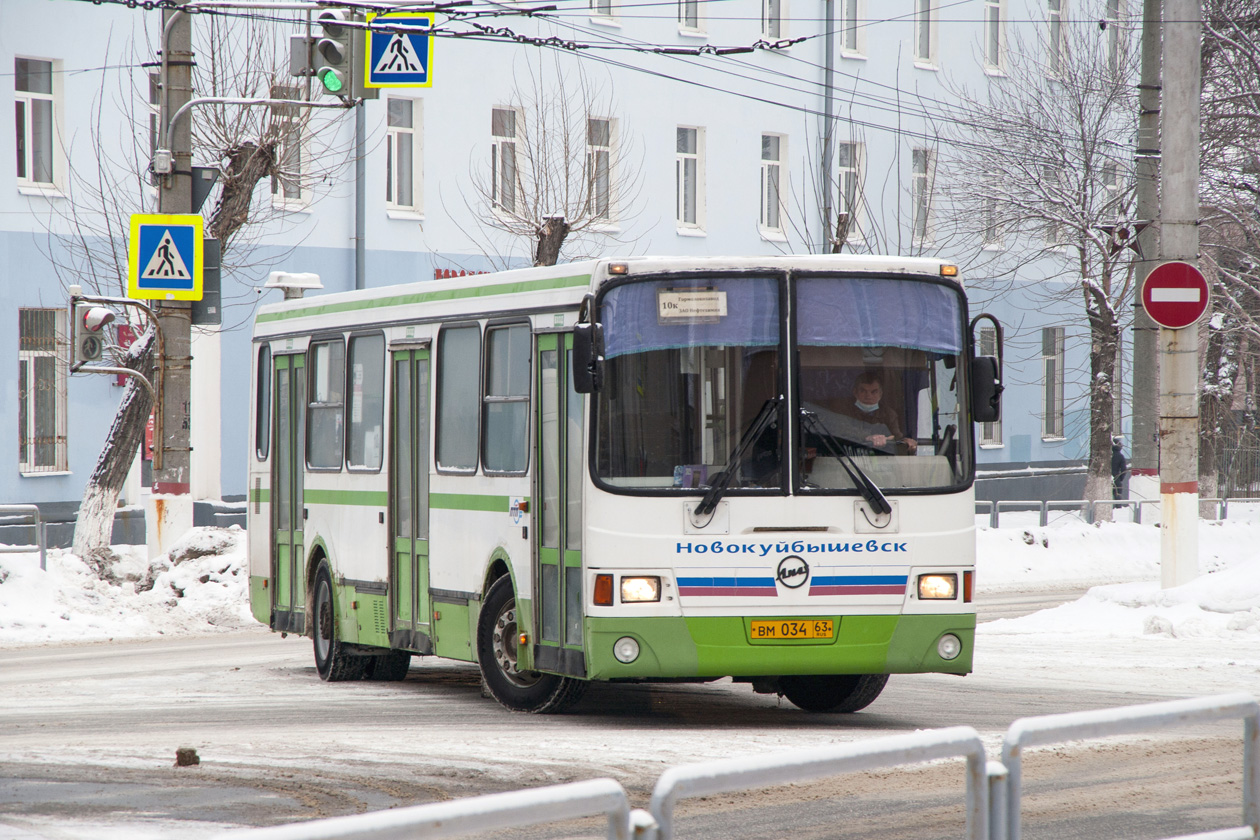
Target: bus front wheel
(332, 661)
(497, 638)
(833, 692)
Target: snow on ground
(201, 585)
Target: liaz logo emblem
(793, 572)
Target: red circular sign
(1175, 295)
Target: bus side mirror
(588, 357)
(986, 390)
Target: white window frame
(681, 159)
(603, 11)
(1052, 383)
(774, 19)
(771, 208)
(1051, 174)
(852, 32)
(1115, 14)
(992, 233)
(994, 35)
(1056, 13)
(594, 153)
(690, 17)
(27, 184)
(398, 137)
(503, 146)
(990, 432)
(28, 404)
(290, 193)
(851, 201)
(922, 177)
(925, 24)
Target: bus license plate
(820, 628)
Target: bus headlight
(949, 646)
(626, 650)
(637, 590)
(938, 587)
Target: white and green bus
(626, 470)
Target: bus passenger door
(409, 502)
(558, 606)
(288, 593)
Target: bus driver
(880, 423)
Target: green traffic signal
(331, 79)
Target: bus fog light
(627, 650)
(949, 646)
(938, 587)
(640, 589)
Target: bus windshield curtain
(872, 312)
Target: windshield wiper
(869, 489)
(720, 481)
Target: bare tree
(1230, 234)
(1040, 177)
(562, 176)
(88, 240)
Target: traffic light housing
(337, 56)
(88, 332)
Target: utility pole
(1178, 373)
(171, 508)
(1144, 461)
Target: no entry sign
(1175, 295)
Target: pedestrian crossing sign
(399, 57)
(165, 257)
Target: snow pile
(201, 585)
(1121, 562)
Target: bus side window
(262, 408)
(325, 412)
(364, 445)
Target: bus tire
(521, 691)
(833, 692)
(332, 661)
(390, 667)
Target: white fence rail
(993, 793)
(1085, 508)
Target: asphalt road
(89, 734)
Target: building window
(603, 8)
(990, 433)
(155, 112)
(599, 167)
(1054, 35)
(505, 407)
(849, 189)
(772, 18)
(921, 195)
(924, 32)
(851, 40)
(458, 398)
(1052, 383)
(993, 34)
(1052, 182)
(990, 209)
(41, 391)
(35, 121)
(365, 438)
(503, 177)
(325, 414)
(689, 177)
(689, 15)
(1115, 43)
(771, 181)
(401, 173)
(286, 121)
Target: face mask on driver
(867, 408)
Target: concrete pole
(170, 511)
(1178, 375)
(1144, 460)
(828, 133)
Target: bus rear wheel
(332, 661)
(833, 692)
(517, 689)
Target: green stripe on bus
(366, 498)
(468, 501)
(428, 297)
(261, 494)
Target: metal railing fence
(41, 541)
(1087, 508)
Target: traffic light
(334, 52)
(89, 341)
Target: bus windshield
(693, 364)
